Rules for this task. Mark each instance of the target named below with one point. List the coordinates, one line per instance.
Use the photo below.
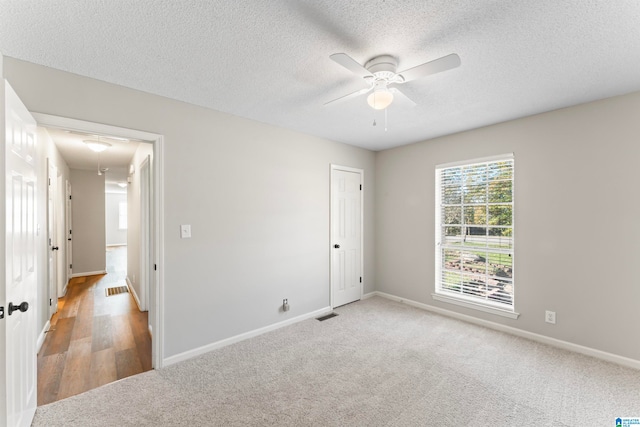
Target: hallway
(94, 339)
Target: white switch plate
(550, 317)
(185, 231)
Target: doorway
(346, 235)
(97, 283)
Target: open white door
(346, 235)
(68, 227)
(145, 232)
(52, 238)
(18, 283)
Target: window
(122, 216)
(474, 233)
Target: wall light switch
(185, 231)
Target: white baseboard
(42, 336)
(232, 340)
(565, 345)
(113, 245)
(89, 273)
(133, 292)
(64, 290)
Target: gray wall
(115, 236)
(256, 196)
(88, 224)
(577, 220)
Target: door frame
(334, 167)
(145, 246)
(68, 236)
(156, 307)
(52, 237)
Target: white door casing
(19, 283)
(145, 227)
(69, 242)
(346, 235)
(52, 238)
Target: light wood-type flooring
(94, 339)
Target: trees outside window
(474, 231)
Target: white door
(145, 222)
(346, 235)
(69, 240)
(52, 240)
(20, 281)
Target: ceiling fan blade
(349, 96)
(401, 97)
(432, 67)
(350, 64)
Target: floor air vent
(328, 316)
(116, 290)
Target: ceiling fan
(380, 72)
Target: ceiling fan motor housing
(383, 67)
(382, 63)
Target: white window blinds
(474, 232)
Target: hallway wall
(89, 234)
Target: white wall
(88, 211)
(256, 196)
(115, 235)
(577, 220)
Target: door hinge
(360, 279)
(70, 265)
(69, 232)
(50, 302)
(155, 267)
(360, 187)
(1, 312)
(49, 181)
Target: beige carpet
(379, 363)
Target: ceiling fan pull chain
(385, 119)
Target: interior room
(387, 213)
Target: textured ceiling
(269, 60)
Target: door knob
(337, 246)
(22, 307)
(54, 248)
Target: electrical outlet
(550, 317)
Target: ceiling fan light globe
(380, 99)
(97, 146)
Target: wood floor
(94, 339)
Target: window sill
(476, 306)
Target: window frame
(120, 216)
(460, 298)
